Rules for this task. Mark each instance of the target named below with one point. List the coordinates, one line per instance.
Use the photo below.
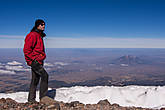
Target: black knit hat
(38, 22)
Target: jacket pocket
(35, 64)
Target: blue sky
(85, 23)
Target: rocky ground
(9, 104)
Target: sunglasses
(42, 24)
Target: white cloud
(48, 64)
(12, 66)
(61, 63)
(124, 64)
(16, 68)
(59, 67)
(7, 72)
(14, 63)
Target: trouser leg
(33, 86)
(38, 68)
(43, 83)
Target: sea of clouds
(12, 67)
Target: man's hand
(35, 64)
(37, 67)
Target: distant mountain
(129, 60)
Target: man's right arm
(29, 45)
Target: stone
(51, 102)
(104, 102)
(47, 100)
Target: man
(34, 52)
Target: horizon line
(92, 48)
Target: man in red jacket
(34, 52)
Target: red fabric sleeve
(30, 42)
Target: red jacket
(34, 48)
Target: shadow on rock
(51, 93)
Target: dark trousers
(38, 72)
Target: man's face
(41, 27)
